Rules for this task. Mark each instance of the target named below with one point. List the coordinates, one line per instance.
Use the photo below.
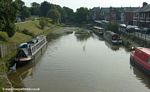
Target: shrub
(27, 32)
(42, 23)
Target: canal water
(74, 63)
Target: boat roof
(145, 50)
(123, 25)
(112, 33)
(98, 27)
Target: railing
(36, 47)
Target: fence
(142, 36)
(6, 49)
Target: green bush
(27, 32)
(43, 23)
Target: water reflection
(53, 36)
(112, 46)
(17, 77)
(82, 35)
(66, 67)
(95, 36)
(144, 78)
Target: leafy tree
(112, 26)
(23, 11)
(35, 9)
(67, 15)
(54, 15)
(20, 4)
(45, 7)
(42, 23)
(82, 15)
(8, 15)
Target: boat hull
(34, 48)
(22, 63)
(141, 67)
(98, 33)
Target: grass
(19, 38)
(33, 26)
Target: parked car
(137, 29)
(145, 30)
(131, 28)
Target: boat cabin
(113, 37)
(24, 45)
(23, 55)
(98, 30)
(143, 54)
(140, 58)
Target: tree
(67, 15)
(82, 15)
(8, 16)
(35, 9)
(54, 15)
(112, 26)
(23, 11)
(20, 4)
(42, 23)
(45, 7)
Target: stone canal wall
(4, 81)
(6, 49)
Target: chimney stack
(145, 4)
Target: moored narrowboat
(27, 50)
(112, 37)
(98, 30)
(140, 58)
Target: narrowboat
(98, 30)
(27, 51)
(140, 58)
(112, 37)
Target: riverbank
(32, 29)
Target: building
(119, 14)
(142, 16)
(128, 14)
(96, 13)
(105, 13)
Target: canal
(78, 63)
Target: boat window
(148, 61)
(23, 45)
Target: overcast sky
(74, 4)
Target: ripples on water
(82, 63)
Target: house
(119, 14)
(142, 16)
(128, 15)
(105, 13)
(96, 13)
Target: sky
(74, 4)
